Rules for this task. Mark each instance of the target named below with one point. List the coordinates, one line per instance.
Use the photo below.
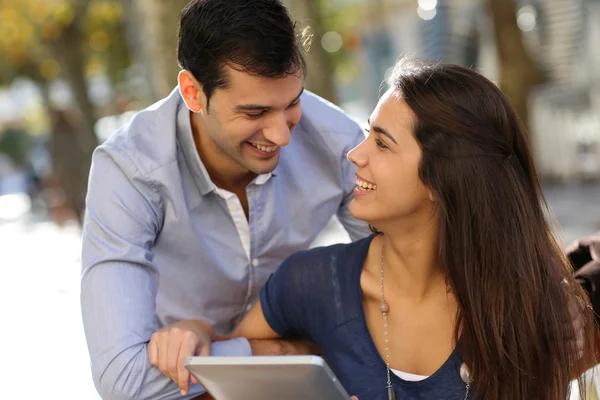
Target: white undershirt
(408, 377)
(237, 213)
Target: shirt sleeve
(120, 280)
(356, 229)
(287, 297)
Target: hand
(171, 345)
(353, 398)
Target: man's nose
(278, 131)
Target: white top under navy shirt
(161, 243)
(316, 294)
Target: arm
(119, 283)
(356, 229)
(584, 255)
(255, 326)
(277, 315)
(170, 346)
(265, 341)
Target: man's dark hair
(257, 36)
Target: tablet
(267, 377)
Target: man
(584, 254)
(198, 200)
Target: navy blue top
(316, 294)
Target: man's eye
(255, 116)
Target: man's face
(249, 121)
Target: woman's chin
(359, 211)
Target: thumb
(353, 398)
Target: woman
(462, 292)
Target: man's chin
(263, 166)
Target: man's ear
(191, 91)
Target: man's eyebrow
(379, 129)
(258, 107)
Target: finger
(163, 351)
(353, 398)
(188, 345)
(176, 339)
(152, 351)
(194, 380)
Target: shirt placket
(249, 233)
(255, 207)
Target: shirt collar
(186, 139)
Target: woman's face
(388, 185)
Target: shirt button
(249, 307)
(255, 262)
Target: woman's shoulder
(333, 256)
(312, 290)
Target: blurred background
(72, 71)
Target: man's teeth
(264, 148)
(365, 185)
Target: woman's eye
(380, 144)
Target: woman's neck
(411, 261)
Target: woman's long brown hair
(516, 294)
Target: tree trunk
(133, 26)
(158, 35)
(320, 71)
(67, 49)
(518, 71)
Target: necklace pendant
(384, 307)
(391, 395)
(465, 374)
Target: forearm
(130, 374)
(283, 347)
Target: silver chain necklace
(465, 375)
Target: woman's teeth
(362, 185)
(266, 149)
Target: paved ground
(43, 348)
(576, 208)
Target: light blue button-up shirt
(161, 243)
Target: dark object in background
(584, 254)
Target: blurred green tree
(72, 39)
(14, 142)
(519, 72)
(320, 66)
(155, 40)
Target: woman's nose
(357, 156)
